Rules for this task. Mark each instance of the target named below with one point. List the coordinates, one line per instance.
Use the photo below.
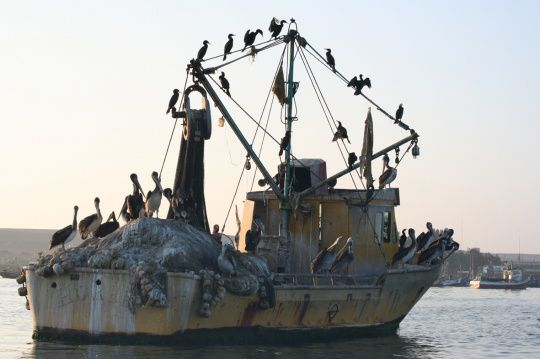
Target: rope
(246, 55)
(239, 50)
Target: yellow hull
(93, 304)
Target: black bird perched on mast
(330, 59)
(361, 83)
(65, 234)
(107, 227)
(249, 38)
(352, 159)
(173, 100)
(341, 133)
(228, 46)
(402, 239)
(353, 82)
(275, 27)
(224, 83)
(285, 142)
(399, 113)
(202, 50)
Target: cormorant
(361, 83)
(88, 225)
(325, 258)
(353, 82)
(344, 257)
(215, 233)
(285, 142)
(228, 46)
(341, 133)
(226, 262)
(352, 159)
(135, 202)
(330, 59)
(405, 254)
(402, 239)
(65, 234)
(399, 113)
(253, 237)
(107, 227)
(173, 100)
(224, 83)
(202, 50)
(167, 193)
(275, 27)
(153, 199)
(249, 38)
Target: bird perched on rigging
(362, 82)
(153, 199)
(433, 253)
(225, 261)
(399, 113)
(65, 234)
(135, 201)
(90, 224)
(285, 142)
(224, 83)
(275, 27)
(341, 133)
(353, 82)
(344, 257)
(202, 50)
(403, 255)
(325, 258)
(107, 227)
(389, 174)
(330, 59)
(253, 237)
(352, 159)
(228, 46)
(249, 38)
(173, 101)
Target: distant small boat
(500, 277)
(455, 282)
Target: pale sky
(85, 86)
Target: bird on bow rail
(341, 133)
(389, 174)
(135, 201)
(153, 199)
(325, 258)
(275, 27)
(202, 50)
(399, 113)
(225, 261)
(362, 82)
(425, 240)
(66, 234)
(225, 84)
(402, 239)
(228, 46)
(249, 38)
(404, 255)
(88, 225)
(173, 101)
(433, 253)
(344, 257)
(330, 59)
(108, 227)
(284, 142)
(352, 159)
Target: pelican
(426, 240)
(65, 234)
(153, 199)
(90, 224)
(324, 259)
(404, 255)
(202, 50)
(249, 38)
(344, 257)
(135, 201)
(330, 59)
(433, 253)
(253, 236)
(167, 193)
(226, 262)
(107, 227)
(389, 174)
(228, 46)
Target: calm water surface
(446, 323)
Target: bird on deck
(253, 236)
(153, 199)
(425, 240)
(341, 133)
(352, 159)
(250, 36)
(275, 27)
(399, 113)
(90, 224)
(66, 234)
(285, 141)
(362, 82)
(173, 101)
(325, 258)
(404, 255)
(167, 193)
(107, 227)
(215, 233)
(330, 59)
(135, 201)
(225, 261)
(228, 46)
(388, 175)
(402, 239)
(202, 50)
(224, 83)
(344, 257)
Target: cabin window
(378, 226)
(383, 226)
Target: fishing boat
(171, 280)
(500, 277)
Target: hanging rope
(279, 38)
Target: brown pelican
(275, 27)
(404, 255)
(65, 234)
(284, 142)
(249, 38)
(107, 227)
(225, 261)
(344, 257)
(228, 46)
(202, 50)
(325, 258)
(254, 236)
(389, 174)
(330, 59)
(425, 240)
(135, 201)
(361, 83)
(341, 133)
(433, 253)
(225, 83)
(173, 100)
(153, 199)
(399, 113)
(90, 224)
